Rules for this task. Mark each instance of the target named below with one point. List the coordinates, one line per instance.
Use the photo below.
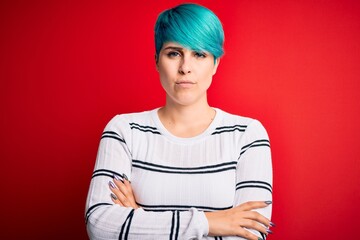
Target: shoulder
(228, 119)
(248, 125)
(126, 120)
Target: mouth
(184, 82)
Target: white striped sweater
(175, 180)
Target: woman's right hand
(232, 222)
(122, 192)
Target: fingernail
(111, 184)
(125, 177)
(118, 178)
(113, 196)
(268, 202)
(269, 231)
(272, 224)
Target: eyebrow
(174, 48)
(181, 49)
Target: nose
(185, 65)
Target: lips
(184, 82)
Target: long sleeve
(106, 220)
(176, 179)
(254, 171)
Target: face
(185, 74)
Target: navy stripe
(102, 174)
(123, 226)
(184, 207)
(88, 212)
(128, 226)
(178, 172)
(185, 168)
(104, 171)
(177, 224)
(172, 225)
(114, 137)
(111, 134)
(166, 210)
(230, 130)
(241, 126)
(254, 186)
(145, 130)
(257, 145)
(262, 235)
(261, 182)
(257, 141)
(142, 126)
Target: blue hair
(192, 26)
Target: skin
(186, 76)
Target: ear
(217, 62)
(156, 63)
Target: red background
(67, 67)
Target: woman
(185, 170)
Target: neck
(186, 121)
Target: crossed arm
(248, 217)
(230, 222)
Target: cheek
(208, 72)
(206, 68)
(163, 80)
(164, 76)
(167, 73)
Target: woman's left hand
(122, 192)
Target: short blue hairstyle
(192, 26)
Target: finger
(115, 199)
(127, 183)
(124, 186)
(127, 195)
(253, 205)
(125, 189)
(123, 199)
(129, 190)
(122, 183)
(247, 234)
(254, 225)
(120, 196)
(255, 216)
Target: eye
(173, 54)
(200, 54)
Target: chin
(186, 99)
(186, 102)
